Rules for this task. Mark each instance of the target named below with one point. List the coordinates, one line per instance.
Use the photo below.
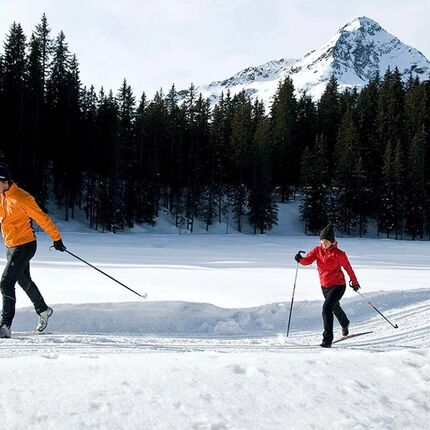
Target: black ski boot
(325, 344)
(345, 330)
(5, 332)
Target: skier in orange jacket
(17, 209)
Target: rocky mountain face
(354, 54)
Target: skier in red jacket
(330, 259)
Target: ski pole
(143, 296)
(292, 298)
(380, 313)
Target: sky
(157, 43)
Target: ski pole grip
(301, 252)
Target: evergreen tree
(241, 140)
(391, 207)
(329, 116)
(126, 166)
(263, 208)
(391, 108)
(13, 95)
(349, 178)
(415, 108)
(285, 149)
(371, 149)
(306, 122)
(156, 119)
(315, 210)
(45, 46)
(416, 186)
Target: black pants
(331, 305)
(18, 269)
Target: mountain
(354, 54)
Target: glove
(355, 287)
(59, 245)
(298, 257)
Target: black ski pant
(332, 306)
(18, 270)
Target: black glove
(355, 287)
(59, 245)
(298, 257)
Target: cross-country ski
(350, 336)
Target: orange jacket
(17, 209)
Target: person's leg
(27, 284)
(17, 260)
(341, 315)
(332, 296)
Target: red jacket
(329, 262)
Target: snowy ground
(208, 349)
(377, 381)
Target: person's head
(327, 238)
(5, 178)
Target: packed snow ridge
(358, 51)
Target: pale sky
(155, 43)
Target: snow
(208, 350)
(311, 73)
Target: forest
(352, 157)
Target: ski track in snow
(104, 381)
(413, 333)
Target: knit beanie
(327, 233)
(5, 174)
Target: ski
(315, 345)
(18, 334)
(351, 336)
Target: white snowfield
(71, 381)
(208, 349)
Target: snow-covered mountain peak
(355, 53)
(362, 23)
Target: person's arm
(347, 266)
(311, 256)
(33, 210)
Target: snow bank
(197, 318)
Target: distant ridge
(354, 54)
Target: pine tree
(390, 217)
(59, 142)
(329, 116)
(391, 108)
(14, 73)
(285, 150)
(315, 210)
(306, 123)
(415, 108)
(156, 138)
(371, 149)
(126, 166)
(263, 208)
(45, 45)
(416, 186)
(34, 170)
(349, 177)
(241, 140)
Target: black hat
(5, 174)
(327, 233)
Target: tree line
(352, 157)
